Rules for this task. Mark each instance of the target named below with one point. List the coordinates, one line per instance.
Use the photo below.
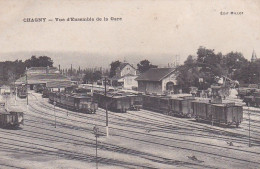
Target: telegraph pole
(54, 112)
(27, 100)
(15, 94)
(106, 106)
(96, 133)
(249, 141)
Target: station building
(158, 80)
(125, 76)
(47, 76)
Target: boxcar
(201, 110)
(73, 102)
(114, 102)
(136, 101)
(10, 118)
(156, 103)
(21, 92)
(227, 114)
(253, 99)
(45, 92)
(181, 106)
(223, 113)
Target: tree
(210, 65)
(145, 65)
(237, 66)
(97, 75)
(88, 77)
(113, 66)
(41, 61)
(91, 76)
(188, 74)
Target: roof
(41, 78)
(155, 74)
(122, 65)
(42, 68)
(58, 84)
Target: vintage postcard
(115, 84)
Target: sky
(149, 29)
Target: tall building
(254, 58)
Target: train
(73, 101)
(38, 88)
(22, 91)
(250, 95)
(221, 113)
(10, 118)
(182, 105)
(45, 92)
(253, 99)
(202, 110)
(118, 101)
(174, 106)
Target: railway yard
(52, 137)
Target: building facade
(42, 76)
(125, 76)
(158, 80)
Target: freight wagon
(22, 91)
(222, 113)
(180, 106)
(253, 99)
(136, 101)
(114, 102)
(75, 102)
(10, 118)
(45, 92)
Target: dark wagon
(222, 113)
(112, 101)
(75, 102)
(10, 118)
(181, 106)
(253, 99)
(22, 92)
(136, 101)
(156, 103)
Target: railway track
(129, 131)
(154, 125)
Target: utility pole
(96, 133)
(249, 141)
(27, 99)
(106, 106)
(15, 94)
(54, 103)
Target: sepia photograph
(134, 84)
